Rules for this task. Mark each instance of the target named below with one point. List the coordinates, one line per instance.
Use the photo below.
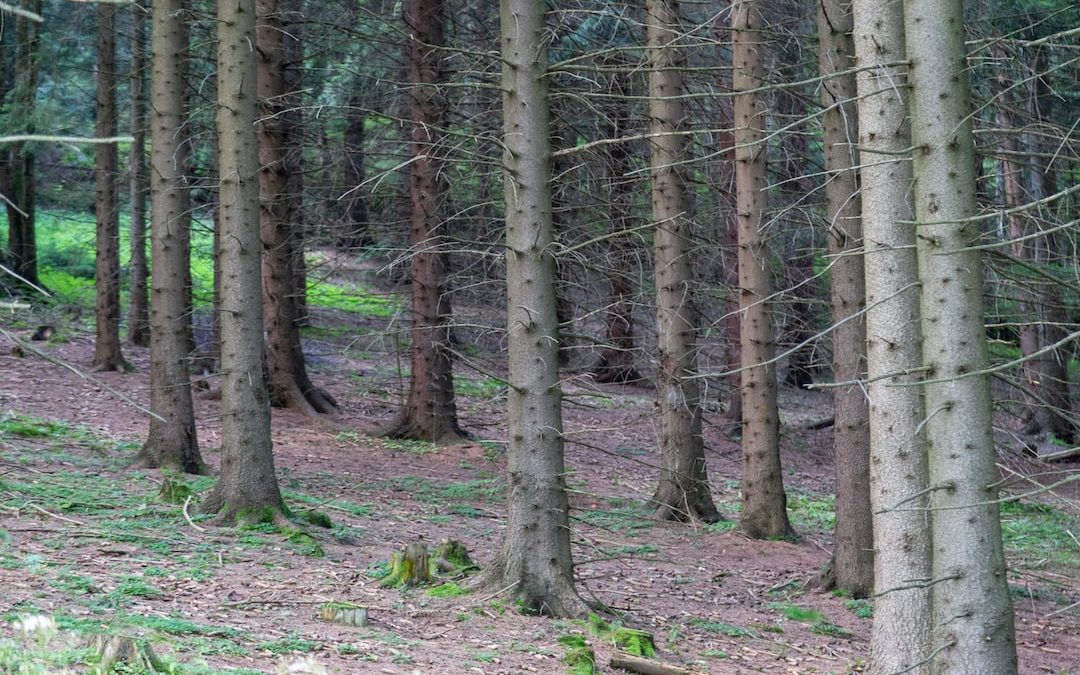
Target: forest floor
(85, 539)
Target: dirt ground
(716, 601)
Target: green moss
(447, 590)
(305, 544)
(317, 518)
(632, 641)
(796, 613)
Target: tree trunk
(355, 231)
(616, 363)
(287, 379)
(534, 559)
(683, 492)
(853, 541)
(901, 631)
(1040, 309)
(138, 313)
(430, 413)
(247, 489)
(107, 354)
(972, 618)
(17, 173)
(172, 440)
(764, 512)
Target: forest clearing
(89, 540)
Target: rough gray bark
(853, 541)
(971, 610)
(247, 489)
(534, 559)
(172, 440)
(107, 354)
(430, 413)
(900, 635)
(683, 491)
(764, 512)
(139, 310)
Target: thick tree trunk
(971, 618)
(138, 312)
(247, 489)
(683, 492)
(764, 512)
(17, 171)
(901, 631)
(853, 542)
(534, 559)
(107, 354)
(429, 413)
(172, 441)
(286, 374)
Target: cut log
(637, 664)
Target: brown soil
(711, 597)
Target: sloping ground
(84, 538)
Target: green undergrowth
(84, 502)
(351, 298)
(1038, 535)
(65, 243)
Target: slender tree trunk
(534, 559)
(355, 231)
(901, 631)
(172, 441)
(1039, 305)
(287, 379)
(429, 413)
(853, 542)
(616, 363)
(971, 618)
(107, 354)
(17, 177)
(764, 512)
(683, 492)
(139, 312)
(247, 489)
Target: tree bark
(17, 170)
(764, 503)
(172, 441)
(286, 374)
(683, 492)
(430, 413)
(971, 617)
(247, 489)
(534, 559)
(139, 311)
(853, 541)
(616, 362)
(107, 355)
(901, 630)
(355, 230)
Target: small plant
(722, 628)
(796, 613)
(829, 629)
(860, 608)
(291, 644)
